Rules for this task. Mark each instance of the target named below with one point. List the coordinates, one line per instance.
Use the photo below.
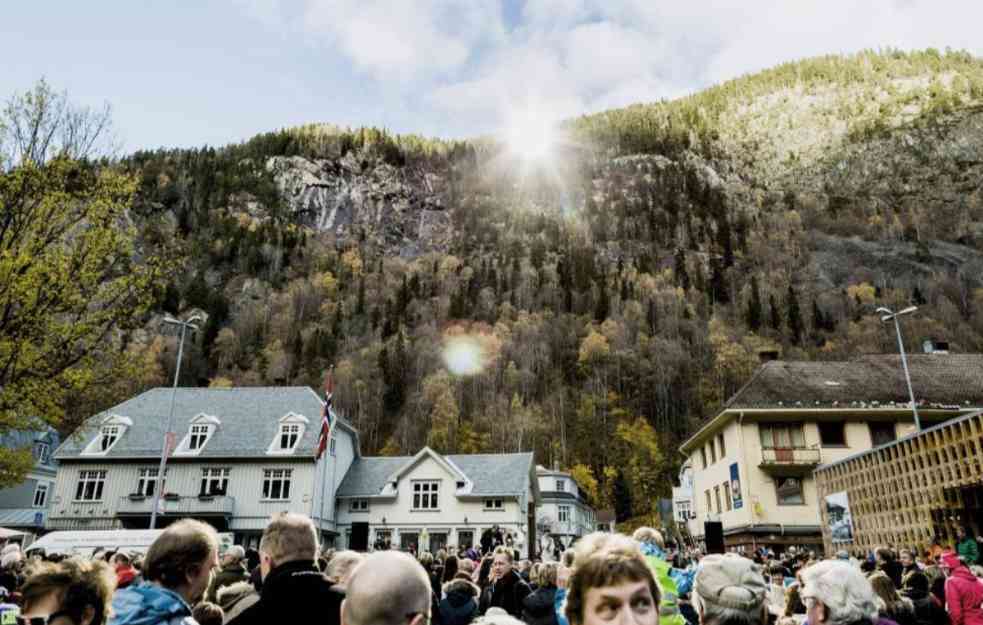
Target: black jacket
(295, 592)
(507, 593)
(927, 610)
(460, 606)
(539, 607)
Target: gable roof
(420, 455)
(490, 474)
(249, 419)
(938, 380)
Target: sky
(188, 73)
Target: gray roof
(249, 420)
(490, 474)
(20, 439)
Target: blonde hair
(79, 584)
(602, 543)
(341, 565)
(649, 535)
(547, 574)
(289, 537)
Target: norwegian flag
(322, 441)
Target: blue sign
(735, 487)
(39, 519)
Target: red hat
(950, 560)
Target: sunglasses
(42, 620)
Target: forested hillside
(619, 293)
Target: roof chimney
(931, 346)
(767, 355)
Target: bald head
(385, 589)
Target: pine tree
(754, 312)
(679, 270)
(795, 325)
(776, 316)
(602, 307)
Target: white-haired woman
(836, 593)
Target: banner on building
(839, 518)
(735, 486)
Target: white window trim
(434, 492)
(41, 486)
(286, 478)
(94, 448)
(147, 475)
(100, 475)
(492, 508)
(353, 505)
(563, 508)
(44, 451)
(291, 418)
(184, 447)
(215, 474)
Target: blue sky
(188, 73)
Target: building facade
(753, 462)
(24, 507)
(682, 498)
(430, 501)
(239, 456)
(564, 514)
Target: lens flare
(463, 356)
(530, 135)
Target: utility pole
(889, 315)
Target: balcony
(195, 506)
(796, 461)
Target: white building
(428, 501)
(564, 513)
(682, 496)
(241, 455)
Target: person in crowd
(472, 554)
(484, 572)
(539, 608)
(966, 546)
(506, 589)
(178, 569)
(11, 576)
(836, 593)
(887, 563)
(125, 573)
(730, 590)
(293, 588)
(387, 588)
(252, 559)
(928, 611)
(653, 545)
(233, 571)
(466, 566)
(794, 607)
(73, 592)
(892, 605)
(487, 540)
(236, 598)
(450, 569)
(207, 613)
(460, 603)
(908, 564)
(341, 566)
(611, 582)
(963, 591)
(776, 590)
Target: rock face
(352, 197)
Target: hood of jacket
(460, 592)
(228, 596)
(148, 604)
(541, 602)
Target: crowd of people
(605, 578)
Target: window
(782, 436)
(563, 514)
(713, 452)
(90, 486)
(331, 446)
(425, 495)
(725, 487)
(199, 434)
(276, 484)
(110, 434)
(41, 452)
(147, 482)
(789, 491)
(832, 434)
(881, 433)
(560, 486)
(716, 496)
(720, 442)
(494, 504)
(709, 507)
(40, 494)
(358, 505)
(289, 433)
(703, 456)
(214, 482)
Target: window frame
(426, 496)
(490, 504)
(561, 512)
(725, 487)
(198, 436)
(716, 497)
(280, 478)
(42, 488)
(358, 505)
(842, 432)
(212, 475)
(288, 430)
(147, 483)
(110, 431)
(713, 452)
(723, 445)
(703, 455)
(802, 494)
(789, 430)
(883, 426)
(561, 485)
(43, 451)
(95, 477)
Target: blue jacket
(149, 604)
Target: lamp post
(184, 325)
(888, 315)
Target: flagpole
(326, 417)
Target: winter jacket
(669, 604)
(893, 570)
(538, 607)
(125, 576)
(231, 574)
(927, 610)
(235, 599)
(968, 550)
(903, 612)
(507, 593)
(559, 599)
(150, 604)
(963, 596)
(460, 605)
(295, 592)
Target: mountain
(617, 293)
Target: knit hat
(730, 581)
(951, 560)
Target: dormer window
(41, 452)
(110, 434)
(199, 434)
(289, 434)
(111, 430)
(290, 430)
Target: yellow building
(753, 462)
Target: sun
(530, 135)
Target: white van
(84, 542)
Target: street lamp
(184, 325)
(888, 315)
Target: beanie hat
(730, 581)
(951, 560)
